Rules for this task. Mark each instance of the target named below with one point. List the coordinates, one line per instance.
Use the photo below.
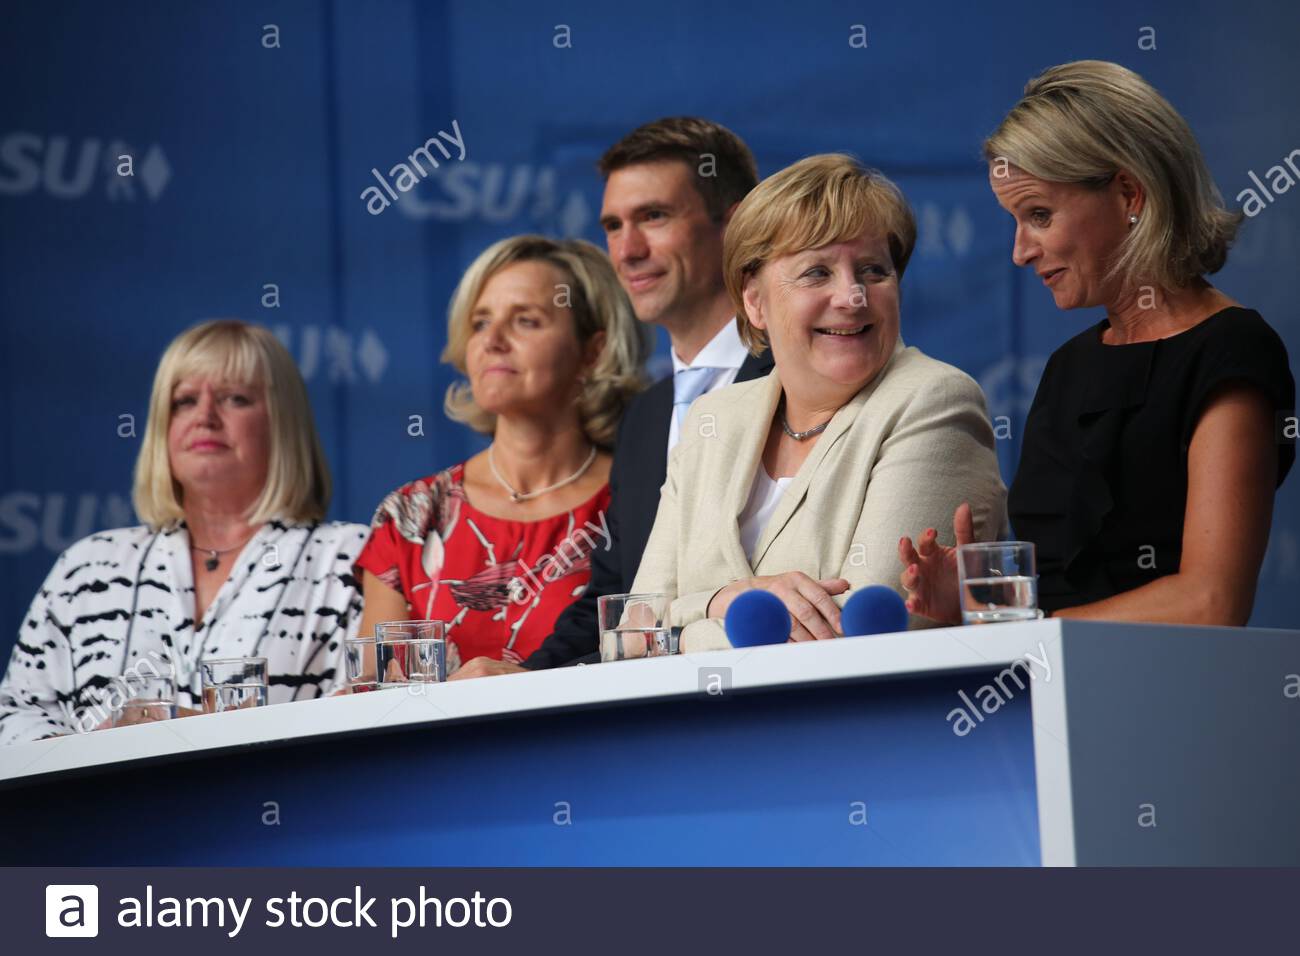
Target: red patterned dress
(499, 584)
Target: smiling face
(523, 354)
(666, 247)
(831, 315)
(219, 437)
(1067, 232)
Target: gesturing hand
(930, 570)
(813, 615)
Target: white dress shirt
(724, 351)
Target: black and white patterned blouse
(291, 597)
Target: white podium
(1053, 742)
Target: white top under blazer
(764, 496)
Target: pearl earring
(1132, 220)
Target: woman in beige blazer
(802, 483)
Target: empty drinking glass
(359, 660)
(634, 625)
(999, 582)
(233, 683)
(138, 698)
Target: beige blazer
(898, 458)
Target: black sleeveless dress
(1102, 483)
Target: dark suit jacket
(638, 472)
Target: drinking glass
(233, 683)
(410, 652)
(144, 698)
(998, 581)
(359, 660)
(634, 625)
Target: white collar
(725, 350)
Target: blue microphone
(873, 610)
(757, 617)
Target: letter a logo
(71, 909)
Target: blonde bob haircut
(1082, 123)
(297, 488)
(817, 201)
(597, 302)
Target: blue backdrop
(253, 128)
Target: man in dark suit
(670, 189)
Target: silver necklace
(802, 436)
(518, 496)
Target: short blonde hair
(817, 201)
(598, 303)
(297, 488)
(1082, 123)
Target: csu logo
(497, 193)
(70, 169)
(335, 352)
(55, 520)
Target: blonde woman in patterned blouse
(233, 559)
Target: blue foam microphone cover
(873, 610)
(757, 617)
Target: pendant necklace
(214, 554)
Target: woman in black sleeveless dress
(1158, 437)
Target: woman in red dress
(499, 545)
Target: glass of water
(233, 683)
(410, 652)
(139, 698)
(999, 582)
(359, 660)
(634, 625)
